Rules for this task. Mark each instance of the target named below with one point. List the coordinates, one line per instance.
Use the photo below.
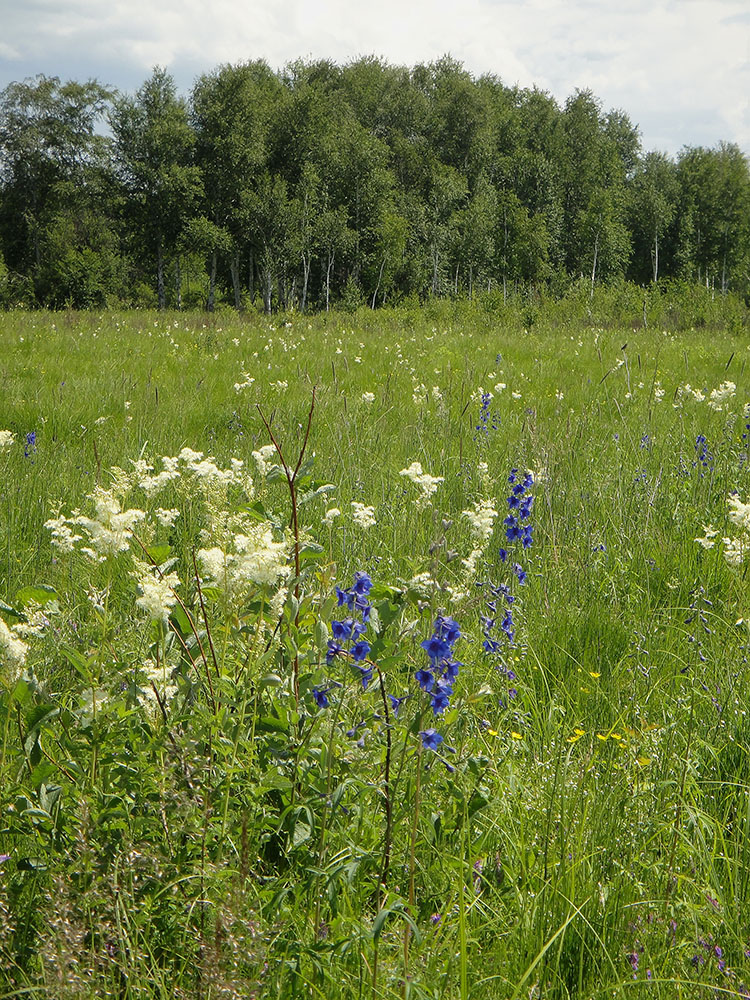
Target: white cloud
(679, 68)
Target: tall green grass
(593, 838)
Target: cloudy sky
(679, 68)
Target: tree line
(363, 183)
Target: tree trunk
(160, 278)
(268, 289)
(328, 280)
(435, 258)
(593, 268)
(655, 260)
(178, 281)
(377, 287)
(305, 278)
(234, 268)
(251, 278)
(212, 284)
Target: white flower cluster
(721, 396)
(481, 524)
(157, 596)
(426, 483)
(252, 559)
(687, 391)
(481, 521)
(246, 383)
(263, 458)
(362, 515)
(368, 397)
(708, 539)
(191, 467)
(157, 678)
(735, 549)
(109, 531)
(330, 516)
(7, 438)
(12, 650)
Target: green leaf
(8, 612)
(81, 663)
(395, 909)
(159, 553)
(38, 593)
(301, 833)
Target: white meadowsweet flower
(423, 584)
(734, 551)
(427, 484)
(368, 397)
(363, 515)
(330, 515)
(253, 559)
(719, 397)
(12, 650)
(739, 513)
(263, 458)
(167, 517)
(481, 521)
(157, 596)
(709, 535)
(7, 438)
(111, 529)
(63, 537)
(470, 563)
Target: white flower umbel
(427, 484)
(111, 529)
(253, 559)
(156, 678)
(167, 517)
(362, 515)
(718, 398)
(12, 651)
(481, 521)
(709, 537)
(263, 458)
(63, 537)
(734, 551)
(739, 513)
(330, 516)
(7, 438)
(368, 397)
(157, 596)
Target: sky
(679, 68)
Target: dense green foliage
(358, 184)
(182, 815)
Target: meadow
(377, 654)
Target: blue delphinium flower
(347, 633)
(487, 420)
(431, 739)
(438, 680)
(30, 446)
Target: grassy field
(532, 780)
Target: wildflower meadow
(395, 654)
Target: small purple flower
(425, 679)
(321, 697)
(30, 445)
(360, 650)
(396, 703)
(431, 739)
